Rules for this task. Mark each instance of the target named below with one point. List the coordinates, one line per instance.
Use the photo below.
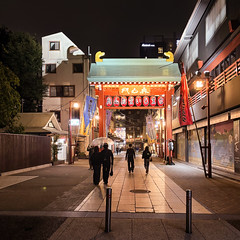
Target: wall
(23, 151)
(181, 146)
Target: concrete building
(65, 69)
(210, 44)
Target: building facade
(65, 69)
(210, 44)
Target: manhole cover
(139, 191)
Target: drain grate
(140, 191)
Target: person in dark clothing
(107, 162)
(130, 155)
(90, 149)
(96, 162)
(146, 156)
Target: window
(160, 50)
(50, 68)
(215, 18)
(77, 68)
(62, 91)
(54, 45)
(193, 51)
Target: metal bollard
(108, 210)
(188, 211)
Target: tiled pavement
(164, 195)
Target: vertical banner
(88, 113)
(185, 117)
(108, 120)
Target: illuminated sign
(134, 90)
(145, 101)
(130, 101)
(123, 101)
(138, 101)
(116, 101)
(148, 45)
(74, 122)
(109, 101)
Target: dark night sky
(115, 27)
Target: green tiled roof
(134, 70)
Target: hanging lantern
(138, 101)
(116, 101)
(153, 101)
(130, 101)
(145, 101)
(123, 101)
(109, 101)
(160, 101)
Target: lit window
(160, 50)
(54, 45)
(50, 68)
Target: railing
(226, 76)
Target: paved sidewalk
(140, 192)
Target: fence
(23, 151)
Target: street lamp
(199, 84)
(74, 105)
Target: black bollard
(188, 211)
(108, 210)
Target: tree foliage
(9, 97)
(21, 53)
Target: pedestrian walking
(130, 155)
(146, 156)
(107, 162)
(90, 150)
(96, 162)
(117, 150)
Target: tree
(9, 97)
(21, 53)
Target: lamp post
(199, 84)
(74, 105)
(207, 75)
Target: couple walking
(104, 158)
(130, 155)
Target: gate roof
(134, 70)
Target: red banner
(185, 117)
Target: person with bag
(96, 162)
(107, 162)
(146, 156)
(130, 155)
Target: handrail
(226, 76)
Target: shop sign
(134, 90)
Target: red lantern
(138, 101)
(123, 101)
(146, 101)
(130, 101)
(116, 101)
(160, 101)
(153, 101)
(109, 101)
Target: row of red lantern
(131, 101)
